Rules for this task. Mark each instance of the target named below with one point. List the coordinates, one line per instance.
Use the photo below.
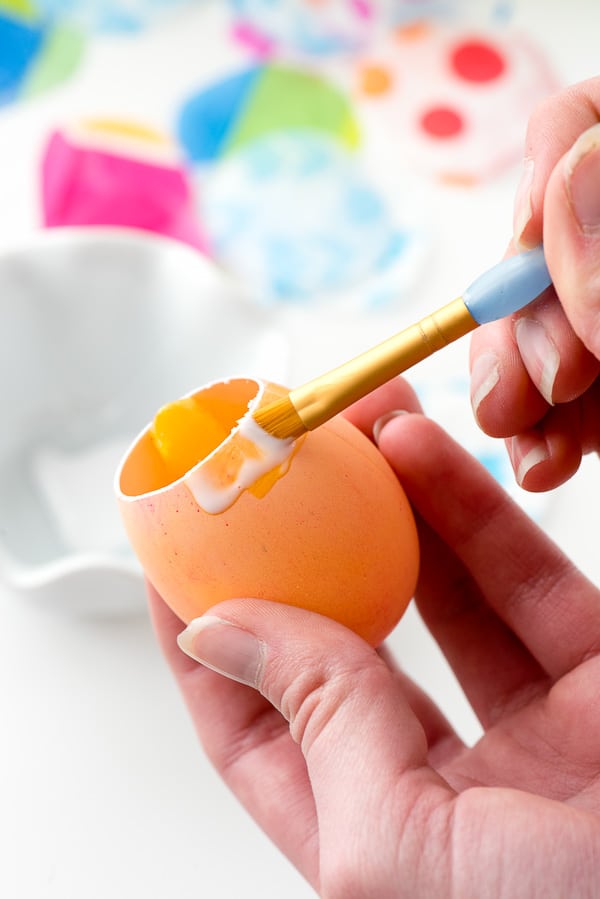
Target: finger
(553, 128)
(364, 748)
(435, 726)
(521, 366)
(556, 360)
(572, 235)
(556, 353)
(250, 746)
(443, 742)
(495, 670)
(505, 400)
(510, 364)
(521, 575)
(549, 454)
(395, 395)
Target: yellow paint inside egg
(188, 431)
(216, 509)
(184, 432)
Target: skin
(545, 402)
(352, 771)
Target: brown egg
(322, 524)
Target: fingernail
(383, 420)
(485, 374)
(582, 176)
(523, 209)
(539, 354)
(525, 453)
(224, 647)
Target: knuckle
(318, 696)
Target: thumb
(572, 235)
(364, 748)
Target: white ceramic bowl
(98, 328)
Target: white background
(103, 788)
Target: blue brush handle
(508, 286)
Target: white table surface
(103, 788)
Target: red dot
(477, 61)
(441, 121)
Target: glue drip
(216, 461)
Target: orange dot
(375, 79)
(459, 179)
(442, 121)
(416, 31)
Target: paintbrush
(506, 288)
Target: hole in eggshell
(150, 466)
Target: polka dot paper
(452, 103)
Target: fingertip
(485, 376)
(581, 169)
(414, 447)
(224, 647)
(572, 235)
(527, 226)
(548, 455)
(399, 434)
(392, 397)
(539, 354)
(385, 419)
(526, 455)
(504, 399)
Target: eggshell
(334, 534)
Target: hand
(535, 375)
(352, 771)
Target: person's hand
(352, 771)
(534, 376)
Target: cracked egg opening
(215, 510)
